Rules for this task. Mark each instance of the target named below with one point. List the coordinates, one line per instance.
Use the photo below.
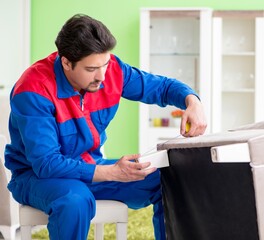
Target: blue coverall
(56, 134)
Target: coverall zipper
(82, 102)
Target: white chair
(13, 215)
(9, 208)
(107, 211)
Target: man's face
(88, 73)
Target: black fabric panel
(207, 201)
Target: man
(60, 108)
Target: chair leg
(121, 231)
(99, 231)
(25, 232)
(9, 232)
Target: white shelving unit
(174, 42)
(15, 51)
(238, 68)
(15, 40)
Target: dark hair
(81, 36)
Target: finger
(139, 166)
(130, 157)
(149, 170)
(186, 128)
(185, 125)
(141, 174)
(145, 165)
(195, 130)
(192, 130)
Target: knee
(81, 204)
(75, 204)
(71, 215)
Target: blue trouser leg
(69, 203)
(136, 195)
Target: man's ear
(66, 64)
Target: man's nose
(100, 74)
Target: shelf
(239, 90)
(165, 129)
(238, 54)
(238, 14)
(175, 54)
(164, 133)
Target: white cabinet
(238, 68)
(14, 41)
(15, 51)
(174, 42)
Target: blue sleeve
(153, 89)
(34, 141)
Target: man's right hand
(126, 169)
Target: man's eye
(90, 69)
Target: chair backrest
(8, 206)
(4, 172)
(2, 145)
(3, 142)
(5, 195)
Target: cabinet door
(237, 69)
(14, 48)
(14, 41)
(174, 43)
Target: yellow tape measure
(187, 127)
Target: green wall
(122, 18)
